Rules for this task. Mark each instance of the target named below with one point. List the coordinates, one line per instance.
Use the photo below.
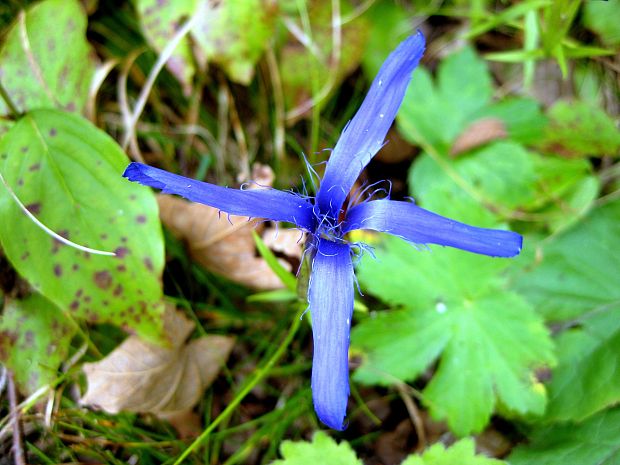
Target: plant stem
(260, 373)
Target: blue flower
(330, 292)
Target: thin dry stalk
(18, 447)
(414, 414)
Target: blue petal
(414, 224)
(257, 203)
(365, 133)
(331, 306)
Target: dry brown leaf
(141, 377)
(186, 423)
(478, 133)
(285, 241)
(223, 243)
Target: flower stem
(259, 374)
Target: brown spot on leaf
(75, 267)
(24, 149)
(131, 197)
(148, 263)
(103, 236)
(79, 292)
(7, 340)
(121, 252)
(140, 219)
(57, 270)
(20, 182)
(53, 132)
(103, 279)
(28, 338)
(121, 268)
(123, 239)
(25, 255)
(87, 299)
(35, 167)
(118, 290)
(34, 208)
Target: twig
(18, 448)
(100, 74)
(164, 56)
(319, 94)
(414, 414)
(123, 103)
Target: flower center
(327, 227)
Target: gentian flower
(331, 284)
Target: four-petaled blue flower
(331, 286)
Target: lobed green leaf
(487, 339)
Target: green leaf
(575, 273)
(385, 35)
(435, 114)
(515, 56)
(34, 341)
(594, 442)
(581, 129)
(574, 204)
(587, 378)
(68, 174)
(234, 34)
(575, 280)
(502, 175)
(159, 22)
(523, 118)
(44, 66)
(310, 71)
(604, 18)
(462, 452)
(322, 449)
(487, 339)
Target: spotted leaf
(34, 341)
(43, 66)
(67, 174)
